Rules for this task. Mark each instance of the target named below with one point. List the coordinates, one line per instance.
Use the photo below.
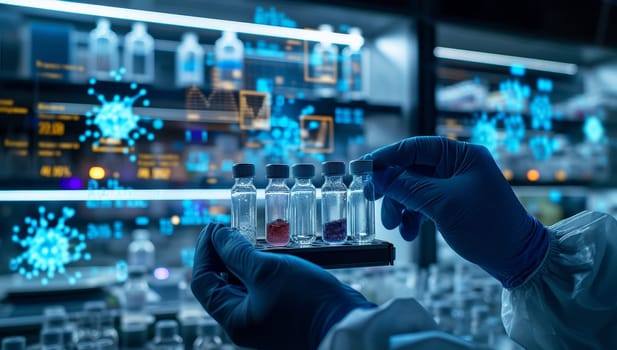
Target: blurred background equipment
(120, 125)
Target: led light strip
(120, 195)
(505, 60)
(187, 21)
(104, 195)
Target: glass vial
(277, 205)
(244, 201)
(333, 203)
(361, 202)
(14, 343)
(166, 336)
(303, 204)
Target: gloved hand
(285, 302)
(459, 187)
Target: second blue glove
(285, 302)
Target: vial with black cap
(333, 203)
(244, 201)
(361, 203)
(303, 204)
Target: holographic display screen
(528, 120)
(98, 139)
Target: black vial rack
(346, 255)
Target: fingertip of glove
(411, 223)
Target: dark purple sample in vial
(335, 231)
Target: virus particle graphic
(542, 147)
(593, 129)
(115, 120)
(48, 247)
(515, 132)
(485, 133)
(541, 113)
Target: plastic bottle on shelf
(52, 339)
(134, 335)
(166, 336)
(139, 54)
(334, 203)
(109, 339)
(103, 47)
(141, 250)
(277, 205)
(229, 54)
(14, 343)
(244, 201)
(303, 204)
(352, 68)
(207, 335)
(324, 62)
(89, 322)
(361, 215)
(136, 291)
(189, 62)
(56, 317)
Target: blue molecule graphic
(485, 133)
(50, 244)
(542, 147)
(515, 132)
(115, 118)
(541, 113)
(514, 95)
(593, 129)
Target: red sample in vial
(277, 233)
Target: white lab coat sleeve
(570, 301)
(370, 329)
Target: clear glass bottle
(103, 47)
(352, 67)
(109, 332)
(303, 204)
(135, 297)
(244, 201)
(166, 336)
(207, 335)
(189, 62)
(141, 250)
(56, 317)
(52, 339)
(324, 61)
(89, 322)
(360, 203)
(277, 205)
(14, 343)
(229, 54)
(333, 203)
(139, 54)
(134, 335)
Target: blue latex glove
(285, 302)
(459, 187)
